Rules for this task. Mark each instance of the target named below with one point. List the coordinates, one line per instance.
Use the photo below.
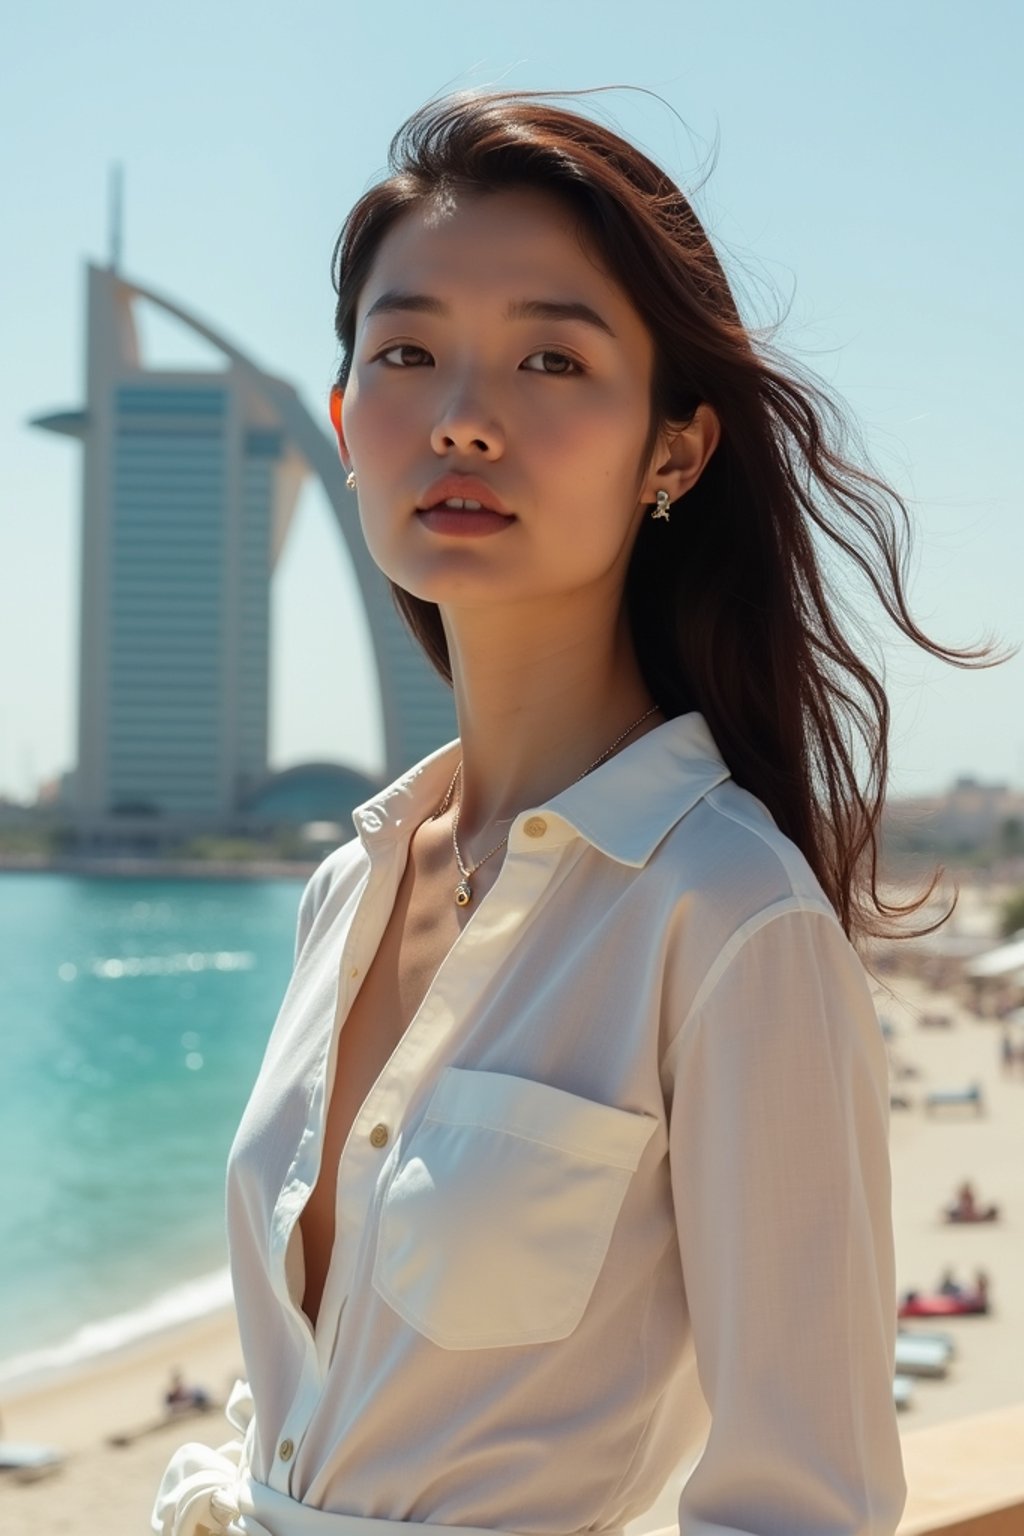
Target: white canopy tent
(1003, 964)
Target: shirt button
(354, 972)
(285, 1450)
(535, 826)
(379, 1136)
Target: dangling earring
(661, 510)
(351, 481)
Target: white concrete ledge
(966, 1477)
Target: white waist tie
(245, 1508)
(207, 1492)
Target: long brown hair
(731, 609)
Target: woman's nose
(466, 425)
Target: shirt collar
(624, 808)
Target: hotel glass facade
(190, 481)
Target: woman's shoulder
(335, 868)
(752, 931)
(730, 855)
(333, 878)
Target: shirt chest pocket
(500, 1212)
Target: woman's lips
(464, 522)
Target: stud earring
(661, 510)
(351, 480)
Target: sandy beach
(931, 1156)
(108, 1488)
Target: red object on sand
(970, 1305)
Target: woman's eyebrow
(395, 301)
(556, 309)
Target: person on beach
(965, 1207)
(567, 1161)
(180, 1398)
(1009, 1054)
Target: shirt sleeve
(307, 911)
(317, 889)
(782, 1191)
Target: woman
(594, 1180)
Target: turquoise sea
(133, 1017)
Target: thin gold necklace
(464, 891)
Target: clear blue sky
(869, 178)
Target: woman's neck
(537, 702)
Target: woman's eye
(552, 362)
(571, 366)
(403, 346)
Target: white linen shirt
(620, 1197)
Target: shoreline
(120, 1382)
(107, 1339)
(109, 1424)
(120, 1393)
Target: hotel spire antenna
(115, 210)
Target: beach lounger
(935, 1020)
(956, 1098)
(947, 1340)
(26, 1463)
(921, 1356)
(902, 1391)
(986, 1213)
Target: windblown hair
(731, 608)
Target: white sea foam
(117, 968)
(183, 1303)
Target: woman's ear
(681, 454)
(337, 398)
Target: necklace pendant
(463, 894)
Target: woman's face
(468, 362)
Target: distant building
(968, 816)
(312, 792)
(190, 481)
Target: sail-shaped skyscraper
(190, 481)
